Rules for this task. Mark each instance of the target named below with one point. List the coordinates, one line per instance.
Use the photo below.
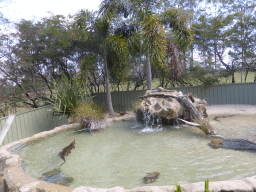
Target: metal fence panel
(124, 100)
(240, 93)
(31, 122)
(41, 119)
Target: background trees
(127, 45)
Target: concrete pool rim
(15, 178)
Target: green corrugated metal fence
(124, 100)
(31, 122)
(41, 119)
(242, 93)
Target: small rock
(151, 177)
(55, 171)
(216, 143)
(65, 181)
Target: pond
(122, 154)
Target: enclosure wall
(242, 93)
(31, 122)
(41, 119)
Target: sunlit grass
(125, 86)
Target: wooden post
(6, 127)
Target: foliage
(178, 21)
(68, 96)
(211, 38)
(117, 56)
(88, 109)
(200, 75)
(206, 186)
(205, 190)
(154, 40)
(178, 188)
(113, 46)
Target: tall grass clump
(68, 96)
(90, 116)
(72, 99)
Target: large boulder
(161, 104)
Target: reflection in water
(124, 153)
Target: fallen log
(196, 115)
(216, 118)
(189, 123)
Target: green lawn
(238, 75)
(156, 82)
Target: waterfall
(151, 122)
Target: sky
(15, 10)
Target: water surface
(124, 153)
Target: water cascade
(151, 122)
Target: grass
(156, 82)
(206, 187)
(250, 78)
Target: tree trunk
(149, 75)
(233, 77)
(109, 100)
(33, 100)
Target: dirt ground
(231, 109)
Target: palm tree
(99, 42)
(113, 46)
(154, 44)
(155, 26)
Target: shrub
(68, 95)
(90, 116)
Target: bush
(69, 94)
(90, 116)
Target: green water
(124, 153)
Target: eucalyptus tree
(243, 34)
(55, 48)
(212, 38)
(12, 68)
(38, 55)
(231, 31)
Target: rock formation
(171, 105)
